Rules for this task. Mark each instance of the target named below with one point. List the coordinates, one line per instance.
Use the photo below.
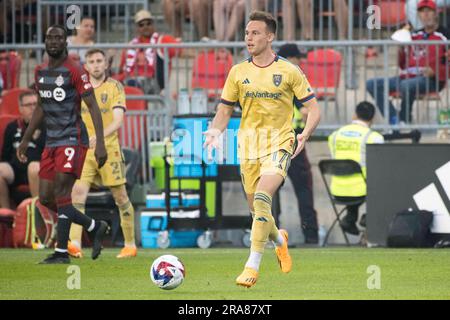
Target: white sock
(280, 240)
(60, 250)
(130, 244)
(254, 260)
(92, 226)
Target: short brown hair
(266, 17)
(92, 51)
(25, 94)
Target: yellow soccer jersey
(266, 96)
(109, 95)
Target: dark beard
(56, 55)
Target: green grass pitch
(331, 273)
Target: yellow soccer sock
(263, 222)
(76, 230)
(127, 223)
(274, 234)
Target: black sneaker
(56, 258)
(362, 221)
(311, 236)
(349, 227)
(98, 239)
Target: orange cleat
(74, 251)
(247, 278)
(284, 259)
(127, 252)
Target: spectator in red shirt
(423, 68)
(144, 67)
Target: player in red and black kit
(61, 84)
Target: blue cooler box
(158, 200)
(155, 221)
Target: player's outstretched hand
(301, 140)
(212, 140)
(100, 154)
(22, 150)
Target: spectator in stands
(349, 142)
(10, 64)
(305, 15)
(228, 17)
(144, 67)
(423, 68)
(412, 13)
(12, 171)
(84, 36)
(300, 169)
(175, 12)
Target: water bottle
(184, 106)
(322, 234)
(199, 102)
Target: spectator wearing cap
(300, 169)
(412, 12)
(422, 67)
(144, 67)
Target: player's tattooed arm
(100, 150)
(35, 122)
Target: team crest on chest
(277, 78)
(59, 81)
(104, 97)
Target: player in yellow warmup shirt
(264, 86)
(110, 96)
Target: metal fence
(337, 70)
(25, 21)
(339, 79)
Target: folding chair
(339, 168)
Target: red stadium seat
(135, 104)
(10, 101)
(393, 13)
(10, 64)
(210, 70)
(4, 121)
(323, 70)
(130, 133)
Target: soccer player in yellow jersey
(265, 86)
(110, 97)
